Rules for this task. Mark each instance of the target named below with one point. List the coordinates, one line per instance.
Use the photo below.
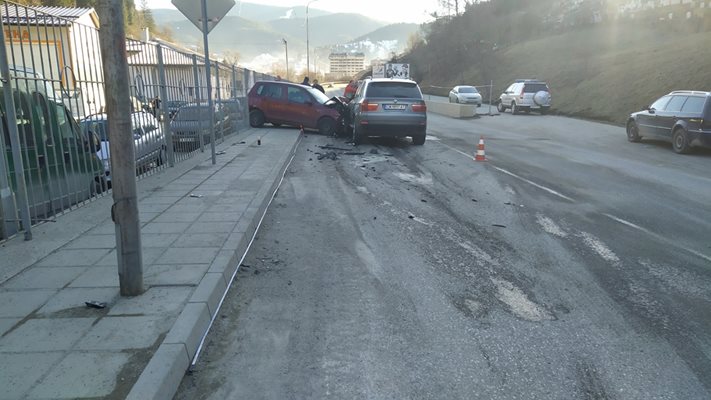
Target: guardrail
(55, 155)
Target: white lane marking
(550, 226)
(658, 237)
(600, 248)
(549, 190)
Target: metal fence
(55, 154)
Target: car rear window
(535, 87)
(694, 105)
(400, 90)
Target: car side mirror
(652, 111)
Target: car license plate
(394, 106)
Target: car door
(453, 94)
(667, 118)
(647, 119)
(274, 102)
(508, 95)
(300, 109)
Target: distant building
(346, 63)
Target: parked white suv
(526, 95)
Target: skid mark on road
(600, 248)
(550, 226)
(519, 303)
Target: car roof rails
(691, 92)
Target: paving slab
(49, 334)
(57, 347)
(82, 375)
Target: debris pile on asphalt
(331, 155)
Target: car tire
(450, 99)
(633, 132)
(501, 107)
(357, 135)
(545, 110)
(327, 126)
(256, 119)
(680, 141)
(419, 140)
(456, 100)
(514, 108)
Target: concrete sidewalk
(54, 347)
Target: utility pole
(124, 211)
(210, 112)
(286, 48)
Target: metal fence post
(124, 211)
(164, 96)
(11, 118)
(211, 113)
(198, 97)
(491, 90)
(218, 90)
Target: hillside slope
(602, 72)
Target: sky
(384, 10)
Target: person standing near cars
(351, 89)
(318, 87)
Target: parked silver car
(148, 138)
(526, 95)
(465, 95)
(389, 108)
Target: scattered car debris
(475, 200)
(221, 152)
(499, 225)
(330, 155)
(245, 266)
(196, 196)
(95, 304)
(333, 148)
(256, 272)
(353, 153)
(311, 159)
(508, 203)
(411, 216)
(423, 200)
(374, 151)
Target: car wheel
(514, 108)
(456, 100)
(327, 126)
(501, 107)
(450, 99)
(633, 132)
(545, 110)
(357, 135)
(419, 140)
(680, 141)
(256, 119)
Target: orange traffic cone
(480, 154)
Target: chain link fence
(55, 153)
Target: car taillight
(365, 106)
(419, 107)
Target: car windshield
(467, 89)
(393, 89)
(320, 97)
(192, 113)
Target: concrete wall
(451, 109)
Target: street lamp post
(308, 60)
(286, 48)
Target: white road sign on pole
(216, 10)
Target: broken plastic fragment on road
(95, 304)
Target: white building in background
(346, 64)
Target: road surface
(570, 265)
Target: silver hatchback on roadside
(388, 108)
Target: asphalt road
(571, 265)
